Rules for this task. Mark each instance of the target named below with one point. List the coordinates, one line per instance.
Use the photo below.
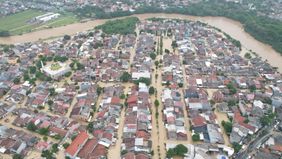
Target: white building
(56, 70)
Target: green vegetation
(55, 66)
(237, 147)
(66, 145)
(147, 81)
(153, 56)
(31, 126)
(248, 55)
(125, 77)
(76, 65)
(179, 150)
(120, 26)
(17, 156)
(262, 28)
(18, 22)
(156, 103)
(231, 88)
(196, 137)
(227, 127)
(151, 90)
(267, 119)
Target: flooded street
(231, 27)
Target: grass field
(17, 23)
(18, 20)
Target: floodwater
(231, 27)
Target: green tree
(156, 103)
(55, 148)
(196, 137)
(153, 56)
(47, 154)
(43, 131)
(180, 150)
(67, 37)
(17, 80)
(31, 126)
(4, 33)
(227, 127)
(125, 77)
(17, 156)
(32, 69)
(151, 90)
(99, 90)
(237, 147)
(66, 145)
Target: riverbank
(231, 27)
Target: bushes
(227, 127)
(196, 137)
(179, 150)
(120, 26)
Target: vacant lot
(18, 23)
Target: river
(231, 27)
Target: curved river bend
(231, 27)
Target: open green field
(18, 20)
(17, 23)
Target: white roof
(199, 81)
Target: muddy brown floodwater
(231, 27)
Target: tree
(17, 156)
(47, 154)
(231, 103)
(174, 44)
(231, 88)
(55, 148)
(170, 153)
(50, 102)
(157, 63)
(180, 85)
(151, 90)
(4, 33)
(45, 138)
(180, 150)
(153, 56)
(90, 127)
(31, 126)
(66, 145)
(52, 91)
(99, 90)
(227, 127)
(252, 88)
(237, 147)
(122, 96)
(43, 131)
(67, 37)
(17, 80)
(196, 137)
(32, 69)
(125, 77)
(248, 55)
(68, 74)
(157, 103)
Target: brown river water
(231, 27)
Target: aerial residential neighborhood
(158, 80)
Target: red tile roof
(198, 121)
(88, 148)
(77, 143)
(115, 100)
(132, 99)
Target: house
(76, 145)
